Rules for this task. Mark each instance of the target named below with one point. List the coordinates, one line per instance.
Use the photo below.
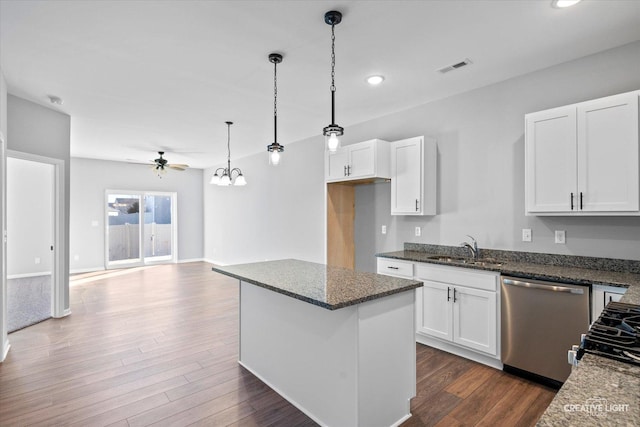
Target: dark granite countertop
(318, 284)
(578, 275)
(612, 388)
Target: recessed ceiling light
(560, 4)
(375, 80)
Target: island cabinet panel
(355, 366)
(583, 159)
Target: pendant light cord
(275, 102)
(333, 58)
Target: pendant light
(274, 149)
(333, 131)
(227, 173)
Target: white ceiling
(140, 76)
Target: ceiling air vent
(455, 66)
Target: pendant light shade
(224, 176)
(274, 149)
(333, 132)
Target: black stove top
(616, 334)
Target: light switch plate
(526, 234)
(384, 229)
(560, 236)
(418, 231)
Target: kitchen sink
(483, 262)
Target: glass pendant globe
(225, 180)
(240, 180)
(333, 142)
(274, 157)
(215, 179)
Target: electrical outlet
(560, 236)
(384, 229)
(76, 257)
(37, 260)
(418, 231)
(526, 234)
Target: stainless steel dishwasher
(540, 323)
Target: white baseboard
(214, 262)
(26, 275)
(65, 313)
(6, 347)
(86, 270)
(181, 261)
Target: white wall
(89, 180)
(480, 179)
(41, 131)
(29, 217)
(481, 166)
(279, 214)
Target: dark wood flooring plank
(160, 345)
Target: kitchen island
(337, 344)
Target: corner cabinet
(413, 176)
(364, 160)
(583, 159)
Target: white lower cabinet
(457, 309)
(459, 305)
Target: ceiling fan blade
(179, 167)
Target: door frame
(57, 215)
(174, 229)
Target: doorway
(30, 242)
(140, 228)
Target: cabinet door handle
(345, 172)
(417, 205)
(448, 293)
(348, 170)
(393, 268)
(454, 295)
(581, 200)
(571, 201)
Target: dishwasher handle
(553, 288)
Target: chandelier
(227, 173)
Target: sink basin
(447, 259)
(487, 262)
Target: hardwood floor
(158, 346)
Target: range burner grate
(616, 334)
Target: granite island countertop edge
(410, 285)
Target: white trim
(182, 261)
(25, 275)
(59, 227)
(65, 313)
(4, 341)
(87, 270)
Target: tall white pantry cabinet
(583, 159)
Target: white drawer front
(468, 277)
(392, 267)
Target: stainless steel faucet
(473, 247)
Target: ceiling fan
(160, 165)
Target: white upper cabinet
(368, 159)
(583, 159)
(413, 176)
